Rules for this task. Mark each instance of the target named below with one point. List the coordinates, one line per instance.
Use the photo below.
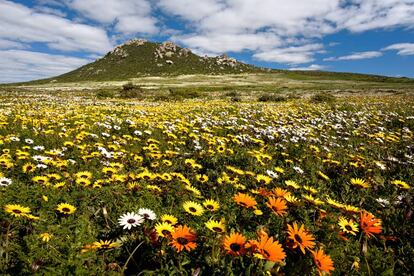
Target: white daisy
(130, 220)
(147, 213)
(4, 182)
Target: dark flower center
(347, 227)
(211, 207)
(192, 209)
(243, 204)
(104, 245)
(65, 209)
(235, 247)
(165, 232)
(146, 216)
(182, 241)
(217, 229)
(298, 238)
(266, 254)
(131, 221)
(17, 211)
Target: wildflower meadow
(98, 186)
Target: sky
(44, 38)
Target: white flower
(137, 132)
(4, 182)
(39, 148)
(272, 174)
(147, 214)
(130, 220)
(15, 139)
(29, 141)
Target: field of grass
(105, 185)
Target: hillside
(139, 57)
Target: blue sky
(43, 38)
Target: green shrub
(105, 93)
(184, 93)
(323, 98)
(271, 98)
(129, 90)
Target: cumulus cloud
(403, 49)
(22, 65)
(24, 24)
(356, 56)
(312, 67)
(290, 55)
(128, 16)
(281, 22)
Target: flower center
(192, 209)
(17, 211)
(347, 227)
(235, 247)
(217, 229)
(298, 238)
(131, 221)
(65, 209)
(265, 253)
(182, 241)
(210, 207)
(166, 232)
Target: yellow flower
(45, 237)
(258, 212)
(17, 210)
(164, 229)
(401, 184)
(193, 208)
(105, 244)
(293, 184)
(216, 226)
(211, 205)
(361, 183)
(66, 208)
(348, 226)
(45, 198)
(169, 219)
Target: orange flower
(269, 249)
(183, 238)
(323, 262)
(300, 237)
(279, 192)
(245, 200)
(278, 206)
(234, 244)
(370, 224)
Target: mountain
(138, 57)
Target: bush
(105, 93)
(271, 98)
(129, 90)
(184, 94)
(231, 94)
(323, 98)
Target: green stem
(130, 256)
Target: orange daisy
(279, 192)
(300, 237)
(245, 200)
(323, 262)
(269, 249)
(370, 224)
(278, 205)
(234, 244)
(183, 238)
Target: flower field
(206, 188)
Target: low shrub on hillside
(323, 98)
(130, 90)
(271, 98)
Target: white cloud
(128, 16)
(290, 55)
(20, 65)
(9, 44)
(356, 56)
(282, 21)
(404, 49)
(21, 23)
(312, 67)
(219, 43)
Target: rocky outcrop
(169, 49)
